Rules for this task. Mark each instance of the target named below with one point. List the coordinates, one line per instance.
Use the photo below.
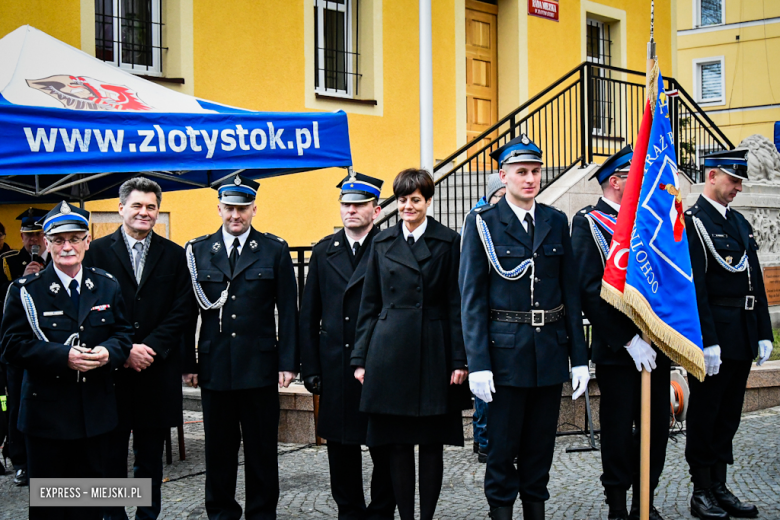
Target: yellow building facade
(728, 61)
(280, 55)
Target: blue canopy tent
(74, 127)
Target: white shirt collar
(520, 212)
(228, 239)
(611, 204)
(717, 205)
(417, 233)
(352, 241)
(65, 279)
(132, 241)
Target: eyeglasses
(59, 241)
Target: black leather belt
(747, 303)
(535, 318)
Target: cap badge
(216, 247)
(54, 287)
(64, 208)
(237, 181)
(525, 139)
(89, 284)
(253, 244)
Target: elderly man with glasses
(65, 327)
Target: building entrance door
(481, 68)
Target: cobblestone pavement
(574, 487)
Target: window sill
(178, 81)
(325, 97)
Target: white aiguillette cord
(200, 295)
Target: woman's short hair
(411, 180)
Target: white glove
(712, 360)
(642, 353)
(764, 351)
(579, 381)
(481, 384)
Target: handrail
(703, 113)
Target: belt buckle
(750, 302)
(537, 318)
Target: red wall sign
(544, 9)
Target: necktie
(138, 248)
(729, 215)
(530, 226)
(234, 254)
(410, 240)
(355, 248)
(74, 293)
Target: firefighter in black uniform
(619, 352)
(735, 328)
(28, 260)
(242, 277)
(522, 324)
(329, 309)
(65, 327)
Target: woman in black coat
(409, 349)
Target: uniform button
(259, 275)
(538, 329)
(84, 379)
(233, 297)
(346, 318)
(417, 305)
(554, 250)
(208, 276)
(418, 288)
(137, 325)
(53, 324)
(233, 335)
(536, 279)
(233, 316)
(536, 304)
(81, 328)
(346, 345)
(103, 320)
(535, 255)
(35, 395)
(508, 251)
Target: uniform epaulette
(324, 239)
(198, 239)
(271, 235)
(586, 210)
(27, 280)
(101, 272)
(9, 253)
(552, 207)
(692, 210)
(482, 209)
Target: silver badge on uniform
(54, 287)
(89, 284)
(253, 244)
(216, 246)
(64, 208)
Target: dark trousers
(227, 417)
(148, 445)
(431, 475)
(17, 449)
(522, 423)
(56, 458)
(479, 422)
(346, 481)
(620, 411)
(714, 415)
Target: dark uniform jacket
(57, 402)
(612, 329)
(245, 351)
(329, 315)
(519, 354)
(17, 263)
(409, 334)
(736, 330)
(160, 309)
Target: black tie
(410, 240)
(355, 248)
(530, 222)
(74, 293)
(730, 215)
(234, 254)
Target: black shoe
(501, 513)
(731, 504)
(705, 506)
(20, 479)
(533, 510)
(481, 455)
(616, 500)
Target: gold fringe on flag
(676, 346)
(615, 298)
(652, 84)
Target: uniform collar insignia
(216, 246)
(89, 284)
(64, 208)
(253, 244)
(54, 287)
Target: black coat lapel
(57, 291)
(514, 227)
(152, 257)
(718, 219)
(399, 251)
(119, 247)
(362, 259)
(88, 296)
(219, 257)
(541, 226)
(248, 253)
(338, 255)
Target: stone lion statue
(763, 159)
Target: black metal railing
(559, 120)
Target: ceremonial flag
(658, 292)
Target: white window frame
(697, 63)
(319, 46)
(156, 68)
(697, 14)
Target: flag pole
(644, 444)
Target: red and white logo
(85, 93)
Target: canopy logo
(84, 93)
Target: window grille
(599, 51)
(336, 53)
(711, 12)
(711, 81)
(128, 33)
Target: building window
(710, 82)
(710, 12)
(128, 33)
(336, 50)
(599, 48)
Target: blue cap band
(63, 217)
(240, 188)
(360, 186)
